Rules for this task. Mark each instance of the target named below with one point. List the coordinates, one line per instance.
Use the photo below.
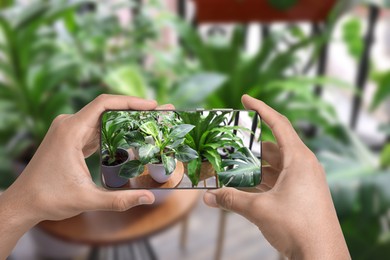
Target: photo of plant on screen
(180, 149)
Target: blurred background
(325, 65)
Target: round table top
(109, 228)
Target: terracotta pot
(206, 170)
(111, 173)
(261, 11)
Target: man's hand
(295, 211)
(57, 184)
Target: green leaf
(127, 81)
(185, 154)
(214, 158)
(385, 157)
(131, 169)
(383, 89)
(118, 139)
(169, 164)
(6, 3)
(194, 171)
(150, 128)
(352, 31)
(195, 89)
(180, 131)
(147, 152)
(135, 139)
(32, 14)
(245, 170)
(176, 143)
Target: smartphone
(166, 149)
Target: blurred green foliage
(359, 183)
(382, 94)
(359, 188)
(32, 68)
(385, 157)
(55, 57)
(352, 35)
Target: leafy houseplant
(113, 156)
(211, 134)
(243, 169)
(159, 155)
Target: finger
(91, 148)
(269, 176)
(271, 154)
(263, 188)
(166, 107)
(121, 200)
(90, 114)
(231, 199)
(279, 124)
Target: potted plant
(113, 156)
(138, 118)
(159, 156)
(211, 134)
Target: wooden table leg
(93, 255)
(133, 251)
(184, 233)
(221, 234)
(150, 252)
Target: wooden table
(99, 229)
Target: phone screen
(180, 149)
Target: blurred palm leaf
(127, 80)
(32, 70)
(360, 193)
(382, 80)
(270, 74)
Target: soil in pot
(121, 156)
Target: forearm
(327, 243)
(15, 220)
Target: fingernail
(165, 106)
(249, 96)
(210, 199)
(145, 200)
(152, 101)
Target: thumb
(121, 200)
(231, 199)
